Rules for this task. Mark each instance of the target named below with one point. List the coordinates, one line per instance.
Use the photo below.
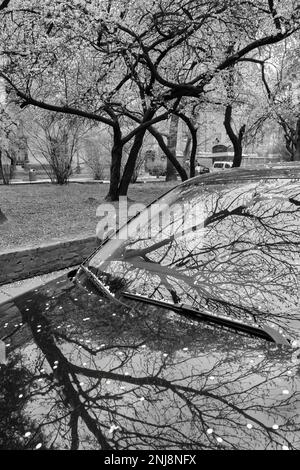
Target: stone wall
(24, 263)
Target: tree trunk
(131, 162)
(5, 169)
(133, 155)
(193, 153)
(115, 167)
(160, 140)
(297, 142)
(237, 140)
(288, 136)
(192, 139)
(172, 144)
(2, 217)
(238, 150)
(1, 168)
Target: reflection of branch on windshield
(142, 252)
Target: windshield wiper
(265, 332)
(96, 281)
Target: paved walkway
(146, 179)
(48, 181)
(9, 291)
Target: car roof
(236, 175)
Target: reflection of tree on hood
(17, 431)
(154, 383)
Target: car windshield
(232, 250)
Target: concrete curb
(27, 262)
(78, 181)
(10, 291)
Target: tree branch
(4, 4)
(28, 100)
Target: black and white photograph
(150, 228)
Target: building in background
(214, 145)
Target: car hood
(83, 371)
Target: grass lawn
(43, 212)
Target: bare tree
(94, 158)
(54, 144)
